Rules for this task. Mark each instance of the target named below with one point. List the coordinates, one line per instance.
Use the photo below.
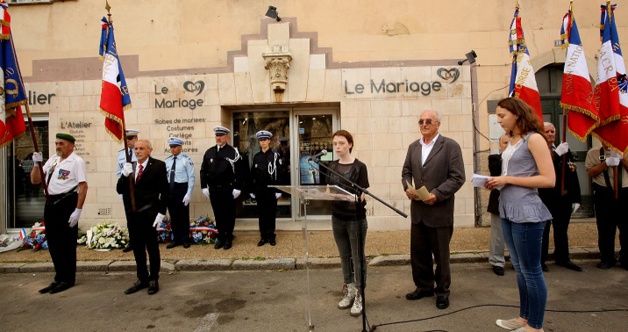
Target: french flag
(115, 96)
(522, 79)
(577, 93)
(611, 87)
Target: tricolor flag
(115, 96)
(12, 94)
(611, 88)
(522, 79)
(577, 93)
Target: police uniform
(222, 171)
(63, 178)
(122, 155)
(265, 171)
(609, 210)
(181, 179)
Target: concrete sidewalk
(382, 248)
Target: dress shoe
(442, 302)
(48, 288)
(219, 244)
(186, 245)
(139, 285)
(570, 265)
(273, 242)
(605, 265)
(498, 270)
(419, 294)
(544, 267)
(60, 287)
(227, 245)
(172, 245)
(261, 242)
(127, 249)
(153, 287)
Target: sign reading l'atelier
(376, 86)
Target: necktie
(172, 170)
(139, 173)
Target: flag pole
(609, 13)
(127, 153)
(564, 131)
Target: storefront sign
(191, 103)
(383, 86)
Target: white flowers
(106, 236)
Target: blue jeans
(524, 244)
(346, 236)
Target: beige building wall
(334, 46)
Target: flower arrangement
(106, 236)
(36, 238)
(203, 231)
(164, 231)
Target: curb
(276, 264)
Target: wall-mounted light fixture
(272, 13)
(470, 57)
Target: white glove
(277, 195)
(612, 161)
(160, 217)
(236, 193)
(127, 169)
(575, 207)
(186, 199)
(252, 195)
(38, 157)
(74, 217)
(562, 148)
(205, 192)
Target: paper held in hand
(478, 180)
(422, 192)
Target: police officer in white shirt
(65, 175)
(180, 170)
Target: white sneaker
(356, 309)
(349, 292)
(511, 324)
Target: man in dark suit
(434, 161)
(560, 205)
(151, 194)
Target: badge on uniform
(63, 174)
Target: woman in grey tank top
(526, 166)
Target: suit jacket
(151, 191)
(552, 196)
(442, 175)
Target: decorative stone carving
(278, 64)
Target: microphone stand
(357, 191)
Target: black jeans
(61, 237)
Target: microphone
(322, 153)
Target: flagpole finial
(108, 8)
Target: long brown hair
(346, 135)
(527, 121)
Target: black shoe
(442, 302)
(544, 267)
(498, 270)
(47, 289)
(153, 287)
(139, 285)
(60, 287)
(570, 265)
(172, 245)
(605, 265)
(186, 245)
(273, 242)
(127, 249)
(419, 294)
(227, 245)
(219, 244)
(261, 242)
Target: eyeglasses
(426, 121)
(550, 131)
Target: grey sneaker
(349, 292)
(511, 324)
(356, 309)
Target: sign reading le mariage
(425, 88)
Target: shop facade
(301, 78)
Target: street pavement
(280, 300)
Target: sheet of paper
(422, 192)
(478, 180)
